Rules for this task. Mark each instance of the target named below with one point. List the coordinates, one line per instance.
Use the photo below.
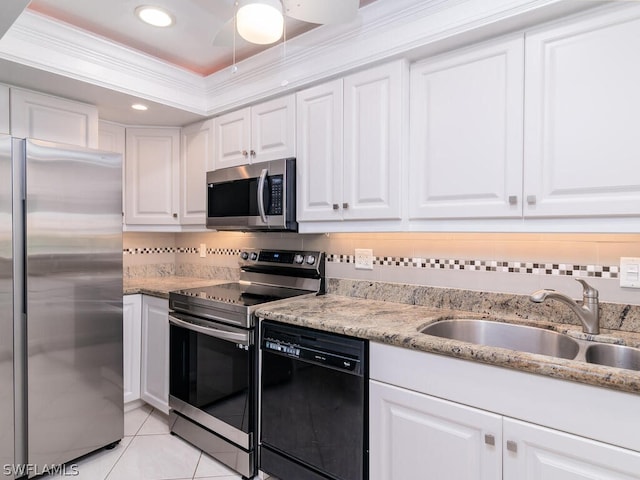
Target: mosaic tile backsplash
(502, 266)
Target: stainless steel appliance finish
(6, 306)
(261, 196)
(68, 327)
(213, 360)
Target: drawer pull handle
(512, 446)
(489, 439)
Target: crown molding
(384, 30)
(38, 41)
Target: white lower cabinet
(131, 333)
(418, 436)
(436, 417)
(537, 453)
(154, 365)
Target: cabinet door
(44, 117)
(196, 159)
(131, 329)
(374, 118)
(417, 436)
(152, 176)
(538, 453)
(111, 137)
(4, 109)
(154, 382)
(319, 147)
(581, 117)
(466, 133)
(232, 138)
(273, 129)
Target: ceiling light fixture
(139, 106)
(260, 21)
(155, 16)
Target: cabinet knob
(513, 199)
(489, 439)
(252, 153)
(345, 205)
(245, 153)
(336, 206)
(531, 199)
(175, 215)
(512, 446)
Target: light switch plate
(630, 272)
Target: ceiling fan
(262, 21)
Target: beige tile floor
(149, 452)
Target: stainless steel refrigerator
(60, 304)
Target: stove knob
(298, 258)
(244, 255)
(311, 259)
(254, 256)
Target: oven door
(211, 376)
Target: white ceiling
(188, 44)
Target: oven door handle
(241, 338)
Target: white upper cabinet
(256, 134)
(350, 147)
(152, 173)
(319, 146)
(374, 108)
(273, 129)
(111, 138)
(4, 109)
(466, 133)
(195, 160)
(44, 117)
(232, 138)
(582, 121)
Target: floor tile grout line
(119, 458)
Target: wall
(506, 263)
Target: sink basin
(613, 356)
(506, 335)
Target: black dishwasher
(313, 394)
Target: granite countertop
(161, 286)
(399, 324)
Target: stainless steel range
(213, 383)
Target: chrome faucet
(588, 310)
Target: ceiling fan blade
(322, 11)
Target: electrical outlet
(203, 250)
(364, 259)
(630, 272)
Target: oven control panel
(290, 258)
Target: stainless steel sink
(506, 335)
(613, 356)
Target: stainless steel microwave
(261, 196)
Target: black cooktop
(240, 294)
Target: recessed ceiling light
(139, 106)
(155, 16)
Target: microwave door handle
(261, 182)
(241, 338)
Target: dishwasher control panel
(312, 346)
